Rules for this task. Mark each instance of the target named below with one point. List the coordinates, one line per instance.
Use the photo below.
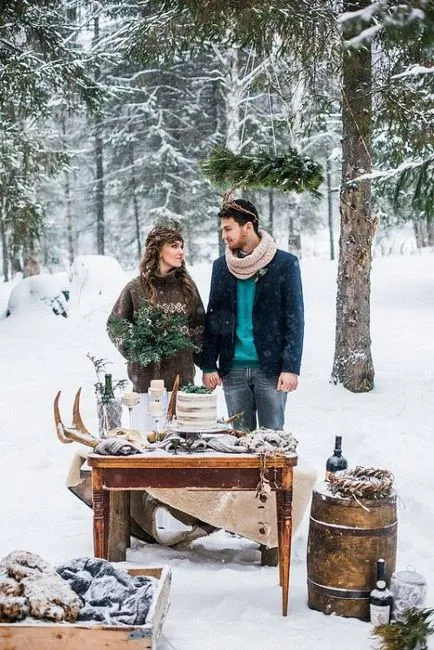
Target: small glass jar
(409, 590)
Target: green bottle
(108, 393)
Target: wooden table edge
(246, 461)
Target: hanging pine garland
(291, 172)
(156, 334)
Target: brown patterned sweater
(169, 295)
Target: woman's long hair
(149, 265)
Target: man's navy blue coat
(278, 321)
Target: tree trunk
(135, 202)
(418, 233)
(430, 230)
(233, 99)
(353, 366)
(68, 201)
(5, 251)
(16, 266)
(330, 208)
(99, 192)
(69, 218)
(271, 211)
(99, 169)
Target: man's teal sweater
(245, 355)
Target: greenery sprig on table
(100, 366)
(409, 634)
(198, 390)
(156, 334)
(290, 172)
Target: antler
(58, 420)
(77, 422)
(78, 431)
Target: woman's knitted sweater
(170, 296)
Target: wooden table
(204, 471)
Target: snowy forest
(110, 111)
(117, 116)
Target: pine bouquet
(156, 334)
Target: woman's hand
(211, 380)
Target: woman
(163, 281)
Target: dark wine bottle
(380, 599)
(336, 462)
(108, 393)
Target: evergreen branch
(196, 390)
(156, 334)
(408, 634)
(178, 26)
(288, 173)
(420, 179)
(100, 366)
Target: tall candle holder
(130, 400)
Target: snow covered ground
(221, 597)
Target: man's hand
(211, 379)
(287, 382)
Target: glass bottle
(336, 462)
(108, 393)
(380, 599)
(109, 408)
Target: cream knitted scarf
(246, 267)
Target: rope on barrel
(362, 482)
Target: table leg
(118, 538)
(279, 532)
(284, 502)
(99, 524)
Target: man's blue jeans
(252, 391)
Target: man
(254, 323)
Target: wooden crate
(80, 636)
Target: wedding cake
(197, 411)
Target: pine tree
(40, 68)
(307, 34)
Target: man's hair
(241, 211)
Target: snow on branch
(382, 16)
(397, 171)
(365, 35)
(366, 13)
(414, 70)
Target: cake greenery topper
(198, 390)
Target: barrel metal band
(337, 592)
(349, 530)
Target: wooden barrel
(346, 538)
